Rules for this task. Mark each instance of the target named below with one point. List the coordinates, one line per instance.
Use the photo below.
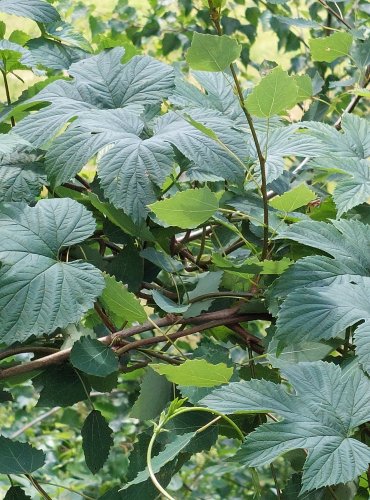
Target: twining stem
(7, 93)
(215, 16)
(165, 420)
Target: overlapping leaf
(324, 295)
(345, 154)
(38, 10)
(21, 176)
(327, 406)
(38, 290)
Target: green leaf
(331, 47)
(304, 84)
(328, 404)
(295, 198)
(94, 358)
(195, 372)
(168, 305)
(65, 32)
(10, 142)
(19, 458)
(46, 292)
(97, 440)
(52, 54)
(212, 52)
(21, 176)
(120, 219)
(276, 93)
(62, 386)
(122, 304)
(155, 392)
(38, 10)
(165, 456)
(187, 209)
(16, 493)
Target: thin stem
(68, 489)
(215, 16)
(335, 14)
(150, 468)
(7, 93)
(273, 473)
(37, 420)
(107, 322)
(38, 487)
(202, 246)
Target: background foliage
(184, 221)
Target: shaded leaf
(19, 458)
(97, 440)
(39, 291)
(155, 392)
(62, 386)
(94, 358)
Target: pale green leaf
(187, 209)
(123, 304)
(304, 84)
(277, 92)
(212, 52)
(295, 198)
(196, 373)
(331, 47)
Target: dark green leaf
(97, 440)
(19, 458)
(94, 358)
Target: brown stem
(335, 14)
(353, 103)
(107, 322)
(179, 334)
(254, 342)
(224, 316)
(12, 351)
(82, 181)
(7, 93)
